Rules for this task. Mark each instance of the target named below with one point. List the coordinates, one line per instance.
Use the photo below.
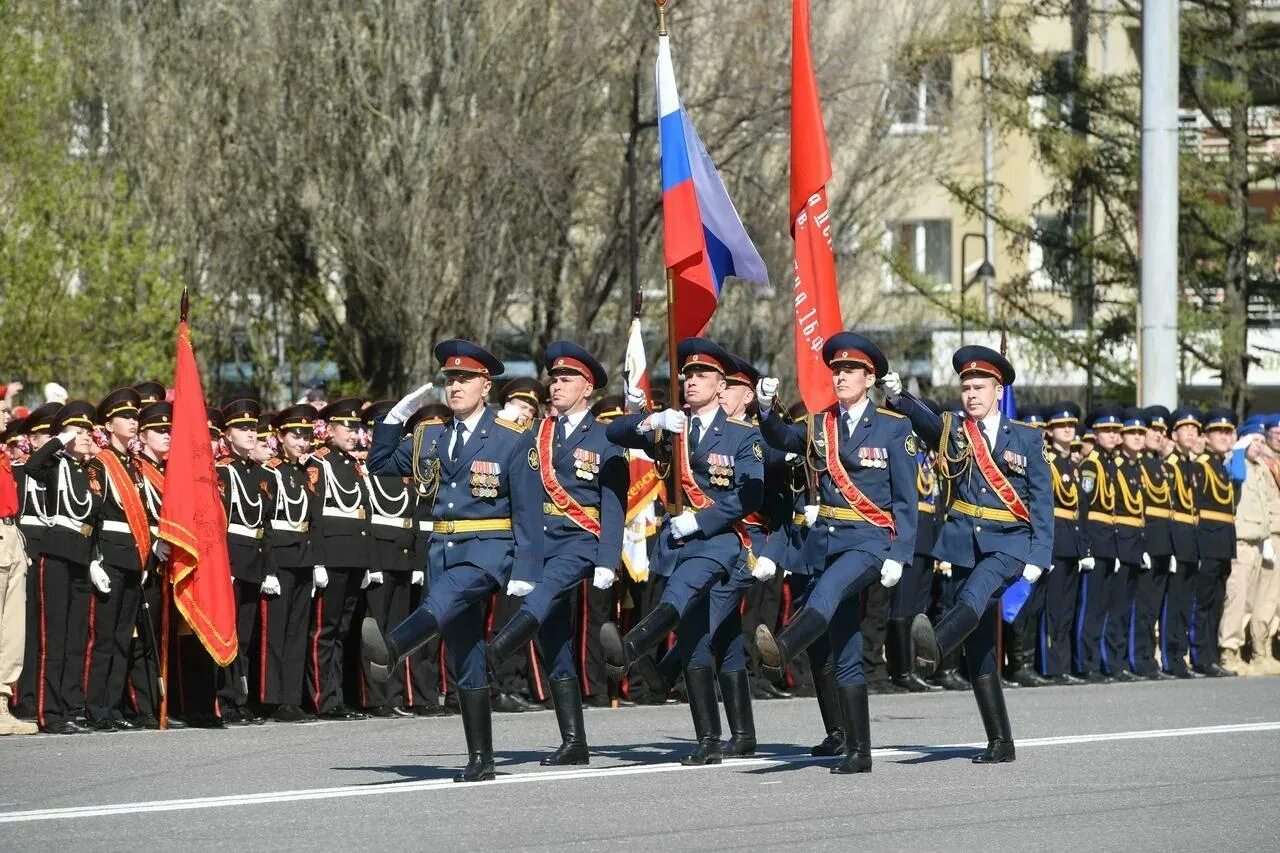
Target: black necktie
(695, 434)
(459, 429)
(982, 428)
(846, 424)
(562, 434)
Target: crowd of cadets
(1143, 539)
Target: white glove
(67, 436)
(319, 578)
(519, 588)
(143, 580)
(1146, 560)
(604, 578)
(418, 578)
(671, 420)
(98, 577)
(810, 515)
(892, 385)
(509, 413)
(636, 401)
(162, 549)
(890, 573)
(1268, 552)
(1086, 564)
(790, 457)
(944, 567)
(1031, 573)
(1173, 567)
(765, 569)
(684, 524)
(271, 585)
(372, 578)
(766, 390)
(410, 404)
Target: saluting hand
(410, 404)
(766, 390)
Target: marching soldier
(242, 483)
(998, 525)
(1158, 503)
(336, 479)
(866, 528)
(584, 480)
(719, 470)
(1216, 540)
(391, 511)
(66, 550)
(122, 552)
(1098, 481)
(1071, 551)
(1184, 476)
(481, 476)
(291, 551)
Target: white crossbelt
(392, 521)
(245, 531)
(334, 512)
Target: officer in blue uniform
(865, 528)
(719, 470)
(998, 525)
(480, 474)
(584, 485)
(1071, 553)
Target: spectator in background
(1254, 550)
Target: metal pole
(964, 281)
(1158, 380)
(988, 157)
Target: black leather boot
(948, 676)
(801, 632)
(1023, 656)
(700, 681)
(929, 643)
(856, 713)
(824, 683)
(735, 691)
(477, 724)
(385, 653)
(620, 651)
(995, 719)
(566, 694)
(897, 655)
(519, 630)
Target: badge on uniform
(1016, 461)
(873, 457)
(911, 444)
(1087, 481)
(484, 479)
(586, 464)
(720, 467)
(533, 458)
(758, 451)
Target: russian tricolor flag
(703, 239)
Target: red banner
(817, 298)
(192, 519)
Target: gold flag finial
(662, 15)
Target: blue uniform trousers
(1091, 615)
(457, 600)
(911, 594)
(1057, 620)
(710, 632)
(549, 604)
(1122, 589)
(835, 592)
(979, 588)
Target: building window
(90, 127)
(919, 97)
(1052, 98)
(1045, 252)
(922, 246)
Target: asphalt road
(1151, 766)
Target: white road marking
(382, 789)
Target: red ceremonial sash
(991, 472)
(860, 503)
(151, 474)
(131, 502)
(699, 499)
(559, 494)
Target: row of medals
(585, 464)
(484, 480)
(720, 467)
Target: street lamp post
(986, 273)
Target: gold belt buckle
(448, 527)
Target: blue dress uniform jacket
(594, 472)
(880, 459)
(1032, 482)
(716, 539)
(1069, 541)
(494, 478)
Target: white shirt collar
(855, 412)
(573, 420)
(471, 422)
(991, 424)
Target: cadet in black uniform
(32, 513)
(1098, 482)
(1216, 538)
(1071, 551)
(1158, 494)
(337, 479)
(1130, 524)
(1184, 476)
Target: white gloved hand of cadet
(766, 390)
(890, 573)
(604, 577)
(319, 579)
(892, 385)
(810, 515)
(407, 406)
(271, 585)
(98, 577)
(671, 420)
(1268, 552)
(684, 524)
(519, 588)
(418, 578)
(68, 435)
(1146, 560)
(1031, 573)
(1086, 564)
(764, 569)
